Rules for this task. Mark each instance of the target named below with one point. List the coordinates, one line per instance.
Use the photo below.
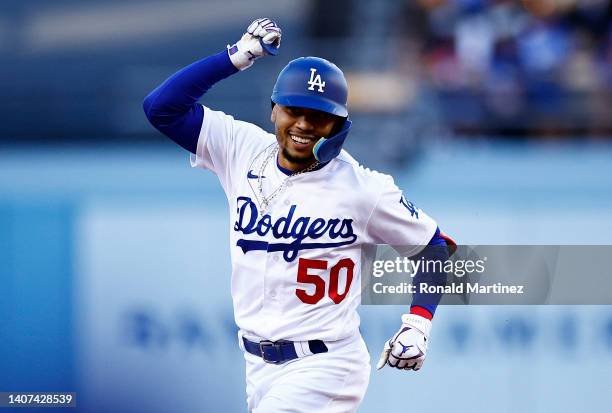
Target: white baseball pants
(332, 382)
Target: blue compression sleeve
(436, 250)
(172, 107)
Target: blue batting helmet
(315, 83)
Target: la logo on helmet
(315, 81)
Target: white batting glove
(262, 37)
(408, 347)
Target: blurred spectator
(508, 67)
(78, 70)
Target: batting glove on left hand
(263, 37)
(408, 347)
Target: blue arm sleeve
(436, 250)
(172, 107)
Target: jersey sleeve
(224, 144)
(214, 142)
(396, 221)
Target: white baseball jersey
(296, 266)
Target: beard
(298, 160)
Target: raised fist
(263, 36)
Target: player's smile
(302, 142)
(297, 132)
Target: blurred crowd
(476, 67)
(514, 67)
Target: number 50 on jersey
(306, 276)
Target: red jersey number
(304, 277)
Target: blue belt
(281, 351)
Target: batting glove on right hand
(263, 37)
(408, 347)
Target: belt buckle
(267, 343)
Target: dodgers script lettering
(296, 229)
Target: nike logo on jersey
(251, 175)
(296, 230)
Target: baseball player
(301, 208)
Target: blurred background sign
(492, 115)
